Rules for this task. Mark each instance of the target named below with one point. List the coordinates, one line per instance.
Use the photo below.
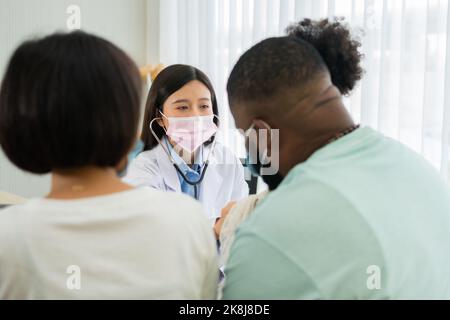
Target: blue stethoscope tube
(177, 168)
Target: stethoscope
(203, 169)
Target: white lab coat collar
(183, 166)
(212, 180)
(170, 176)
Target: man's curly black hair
(337, 46)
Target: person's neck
(85, 182)
(187, 156)
(323, 129)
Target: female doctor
(180, 152)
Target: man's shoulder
(301, 207)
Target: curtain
(405, 93)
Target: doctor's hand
(224, 213)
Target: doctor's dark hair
(67, 101)
(169, 81)
(337, 46)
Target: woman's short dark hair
(168, 81)
(67, 101)
(333, 39)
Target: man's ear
(263, 129)
(261, 124)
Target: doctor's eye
(182, 108)
(205, 106)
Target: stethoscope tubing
(204, 167)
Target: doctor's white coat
(223, 182)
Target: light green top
(363, 218)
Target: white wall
(123, 22)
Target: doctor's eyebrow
(181, 101)
(187, 101)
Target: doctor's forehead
(194, 91)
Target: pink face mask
(191, 132)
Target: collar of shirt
(182, 165)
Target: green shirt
(363, 218)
